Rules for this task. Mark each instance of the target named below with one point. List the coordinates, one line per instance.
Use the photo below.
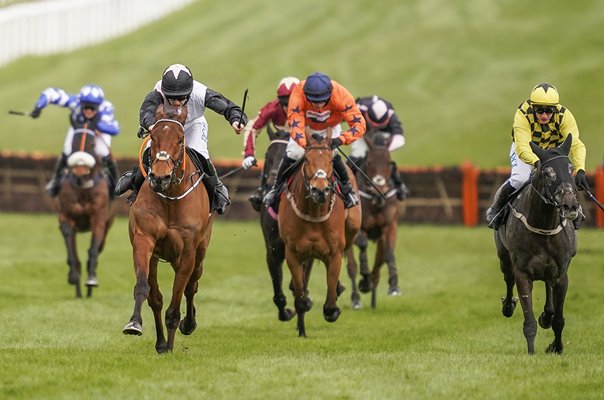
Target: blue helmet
(318, 87)
(91, 94)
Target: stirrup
(350, 200)
(256, 200)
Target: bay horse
(379, 224)
(538, 241)
(314, 224)
(170, 220)
(84, 205)
(275, 249)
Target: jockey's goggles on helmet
(182, 99)
(545, 110)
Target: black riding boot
(355, 163)
(54, 185)
(272, 198)
(501, 198)
(110, 166)
(132, 180)
(348, 194)
(220, 194)
(401, 189)
(256, 197)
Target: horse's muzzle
(319, 196)
(159, 183)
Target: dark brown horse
(314, 224)
(84, 205)
(169, 220)
(380, 215)
(538, 242)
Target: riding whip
(13, 112)
(235, 170)
(594, 199)
(243, 106)
(363, 174)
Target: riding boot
(272, 197)
(348, 194)
(402, 192)
(132, 180)
(501, 198)
(355, 163)
(54, 185)
(219, 193)
(256, 197)
(110, 166)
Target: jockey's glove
(336, 142)
(248, 162)
(581, 181)
(35, 113)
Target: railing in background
(47, 27)
(439, 195)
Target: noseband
(546, 194)
(320, 174)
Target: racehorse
(537, 243)
(84, 204)
(379, 224)
(314, 224)
(169, 220)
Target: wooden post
(469, 193)
(599, 193)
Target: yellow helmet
(545, 94)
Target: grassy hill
(455, 71)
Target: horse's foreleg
(331, 311)
(156, 303)
(352, 268)
(375, 273)
(545, 319)
(69, 236)
(182, 274)
(189, 323)
(274, 261)
(525, 291)
(142, 248)
(96, 240)
(301, 301)
(389, 238)
(508, 302)
(559, 295)
(365, 284)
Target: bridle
(319, 174)
(164, 156)
(546, 194)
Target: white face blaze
(320, 174)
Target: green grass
(444, 338)
(455, 71)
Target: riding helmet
(177, 81)
(91, 94)
(318, 87)
(378, 113)
(545, 94)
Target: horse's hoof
(286, 314)
(552, 348)
(161, 348)
(186, 328)
(92, 282)
(331, 314)
(356, 305)
(73, 279)
(133, 328)
(545, 320)
(508, 308)
(394, 291)
(365, 285)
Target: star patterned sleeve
(295, 116)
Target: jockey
(274, 112)
(541, 119)
(175, 90)
(87, 107)
(320, 103)
(380, 117)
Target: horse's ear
(538, 151)
(565, 147)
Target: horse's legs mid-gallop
(99, 230)
(274, 261)
(189, 322)
(525, 292)
(545, 319)
(389, 236)
(142, 249)
(559, 295)
(365, 284)
(156, 303)
(352, 268)
(331, 311)
(75, 267)
(302, 302)
(508, 302)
